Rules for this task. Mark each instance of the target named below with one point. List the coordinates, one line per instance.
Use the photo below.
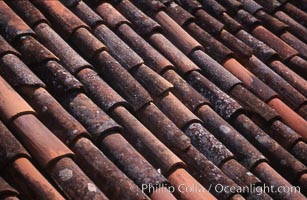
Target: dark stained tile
(294, 42)
(232, 6)
(283, 49)
(122, 81)
(296, 13)
(291, 77)
(54, 117)
(274, 24)
(6, 190)
(248, 21)
(61, 18)
(5, 48)
(232, 25)
(296, 28)
(299, 151)
(123, 154)
(104, 173)
(208, 22)
(99, 91)
(17, 73)
(72, 61)
(73, 181)
(11, 24)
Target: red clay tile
(117, 48)
(206, 172)
(253, 104)
(176, 34)
(6, 190)
(30, 182)
(10, 148)
(176, 111)
(251, 6)
(239, 174)
(213, 7)
(294, 42)
(296, 28)
(131, 162)
(87, 14)
(282, 48)
(284, 135)
(287, 93)
(214, 71)
(104, 173)
(213, 47)
(11, 24)
(291, 77)
(99, 91)
(274, 24)
(5, 48)
(232, 25)
(43, 145)
(184, 92)
(303, 184)
(162, 193)
(288, 166)
(236, 45)
(221, 102)
(302, 111)
(291, 118)
(145, 24)
(232, 6)
(96, 121)
(11, 104)
(52, 114)
(70, 3)
(208, 22)
(144, 141)
(17, 73)
(151, 56)
(181, 16)
(122, 81)
(72, 61)
(245, 152)
(247, 20)
(57, 78)
(267, 174)
(182, 62)
(270, 6)
(207, 144)
(73, 181)
(185, 183)
(300, 151)
(296, 13)
(164, 129)
(60, 16)
(28, 12)
(299, 65)
(33, 53)
(151, 81)
(110, 15)
(260, 49)
(91, 46)
(254, 84)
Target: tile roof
(136, 99)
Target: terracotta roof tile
(17, 73)
(11, 149)
(70, 177)
(12, 26)
(104, 173)
(30, 182)
(229, 86)
(7, 190)
(10, 97)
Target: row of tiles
(142, 97)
